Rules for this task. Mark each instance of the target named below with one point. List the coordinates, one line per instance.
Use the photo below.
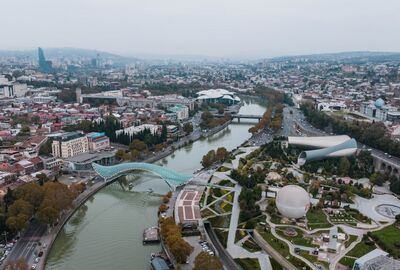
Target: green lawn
(248, 263)
(349, 262)
(351, 239)
(229, 198)
(282, 248)
(220, 221)
(308, 256)
(387, 238)
(360, 250)
(275, 218)
(226, 183)
(317, 219)
(206, 213)
(227, 207)
(299, 239)
(275, 265)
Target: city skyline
(206, 29)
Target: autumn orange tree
(205, 261)
(46, 201)
(171, 233)
(18, 215)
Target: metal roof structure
(326, 147)
(110, 173)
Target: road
(27, 246)
(226, 259)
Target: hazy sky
(225, 28)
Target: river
(106, 232)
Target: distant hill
(344, 57)
(69, 53)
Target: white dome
(292, 201)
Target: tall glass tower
(44, 66)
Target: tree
(397, 217)
(138, 145)
(162, 208)
(19, 264)
(42, 178)
(135, 154)
(208, 159)
(18, 215)
(47, 215)
(377, 179)
(35, 119)
(57, 195)
(188, 128)
(25, 130)
(31, 193)
(205, 261)
(221, 154)
(120, 154)
(45, 149)
(395, 186)
(344, 166)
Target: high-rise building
(78, 92)
(44, 65)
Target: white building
(218, 96)
(331, 106)
(182, 112)
(377, 110)
(136, 129)
(70, 144)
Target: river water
(106, 232)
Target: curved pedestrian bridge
(110, 173)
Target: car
(40, 254)
(33, 266)
(37, 260)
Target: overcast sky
(223, 28)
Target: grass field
(248, 263)
(275, 265)
(206, 213)
(220, 221)
(388, 238)
(349, 262)
(299, 239)
(360, 250)
(317, 219)
(351, 239)
(282, 248)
